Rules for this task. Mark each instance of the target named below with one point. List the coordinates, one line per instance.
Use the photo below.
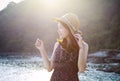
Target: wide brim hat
(71, 20)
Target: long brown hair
(71, 45)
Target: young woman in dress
(70, 51)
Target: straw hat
(71, 20)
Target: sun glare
(51, 4)
(42, 75)
(17, 1)
(50, 1)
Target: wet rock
(105, 57)
(111, 69)
(112, 60)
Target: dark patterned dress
(65, 65)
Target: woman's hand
(79, 39)
(39, 44)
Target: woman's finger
(78, 35)
(37, 42)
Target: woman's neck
(68, 39)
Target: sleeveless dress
(65, 65)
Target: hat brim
(59, 20)
(55, 19)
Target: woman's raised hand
(79, 39)
(39, 44)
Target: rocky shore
(109, 59)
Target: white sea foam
(30, 69)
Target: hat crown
(72, 20)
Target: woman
(70, 51)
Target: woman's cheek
(59, 32)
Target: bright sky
(4, 3)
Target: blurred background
(23, 21)
(21, 24)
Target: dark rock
(105, 56)
(96, 60)
(107, 60)
(109, 68)
(117, 70)
(112, 60)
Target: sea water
(30, 68)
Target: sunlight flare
(40, 75)
(51, 4)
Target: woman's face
(63, 33)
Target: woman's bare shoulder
(56, 45)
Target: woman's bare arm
(46, 61)
(82, 59)
(48, 64)
(83, 52)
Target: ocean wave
(31, 69)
